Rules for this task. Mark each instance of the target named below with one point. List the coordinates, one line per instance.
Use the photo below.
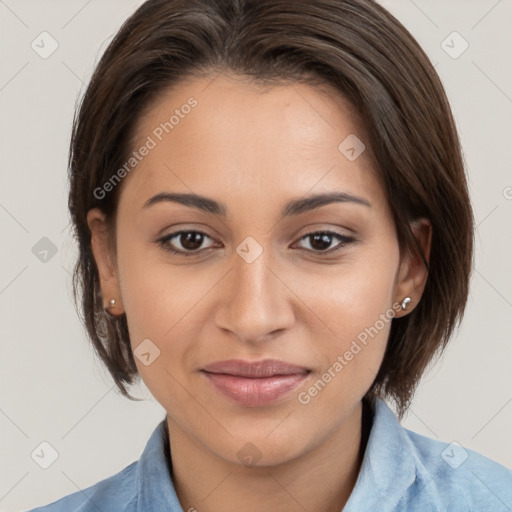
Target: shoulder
(403, 470)
(145, 484)
(118, 492)
(460, 478)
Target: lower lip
(254, 392)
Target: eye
(320, 241)
(190, 242)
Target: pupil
(323, 239)
(191, 240)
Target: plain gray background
(54, 390)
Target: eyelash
(344, 241)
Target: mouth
(255, 383)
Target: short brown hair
(354, 45)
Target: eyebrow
(294, 207)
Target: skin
(254, 150)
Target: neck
(320, 479)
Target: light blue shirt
(401, 471)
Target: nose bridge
(255, 304)
(252, 276)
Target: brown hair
(354, 45)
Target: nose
(256, 301)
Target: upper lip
(255, 369)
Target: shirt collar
(154, 485)
(390, 466)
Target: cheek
(351, 358)
(351, 296)
(354, 309)
(156, 295)
(164, 304)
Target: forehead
(217, 135)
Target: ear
(412, 274)
(101, 250)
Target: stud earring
(111, 303)
(405, 302)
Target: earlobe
(102, 253)
(413, 274)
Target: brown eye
(187, 242)
(320, 241)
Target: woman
(275, 233)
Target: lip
(255, 383)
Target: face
(262, 272)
